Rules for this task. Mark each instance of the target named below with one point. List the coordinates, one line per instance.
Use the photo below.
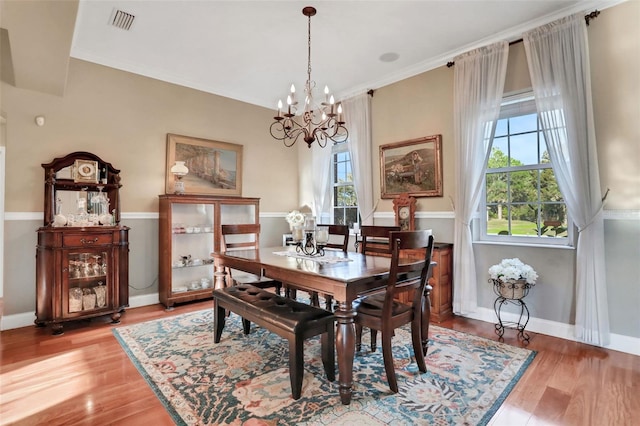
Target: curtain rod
(587, 18)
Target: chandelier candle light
(316, 122)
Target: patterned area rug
(244, 380)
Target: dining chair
(375, 239)
(338, 237)
(338, 241)
(382, 312)
(243, 237)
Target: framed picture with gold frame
(215, 168)
(85, 171)
(413, 167)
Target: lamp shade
(179, 169)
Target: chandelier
(313, 122)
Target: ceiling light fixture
(320, 123)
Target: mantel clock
(404, 208)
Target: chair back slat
(375, 239)
(241, 236)
(408, 271)
(338, 237)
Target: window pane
(338, 216)
(544, 153)
(523, 123)
(523, 186)
(341, 173)
(496, 188)
(501, 128)
(345, 196)
(554, 220)
(524, 149)
(524, 220)
(497, 223)
(351, 216)
(549, 189)
(499, 152)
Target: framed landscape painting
(215, 168)
(413, 167)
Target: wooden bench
(288, 318)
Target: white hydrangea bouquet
(513, 269)
(295, 218)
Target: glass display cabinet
(82, 256)
(190, 230)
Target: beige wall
(124, 119)
(614, 46)
(412, 108)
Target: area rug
(244, 380)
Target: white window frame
(513, 106)
(336, 149)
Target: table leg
(345, 348)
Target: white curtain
(357, 111)
(558, 58)
(477, 94)
(321, 172)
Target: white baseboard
(144, 300)
(627, 344)
(26, 319)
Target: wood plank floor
(84, 378)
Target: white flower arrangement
(513, 269)
(295, 218)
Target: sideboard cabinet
(190, 230)
(441, 282)
(82, 255)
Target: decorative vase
(512, 289)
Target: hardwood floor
(84, 378)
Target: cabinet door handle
(83, 241)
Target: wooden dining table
(345, 277)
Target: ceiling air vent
(122, 20)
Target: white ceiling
(253, 50)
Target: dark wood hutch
(82, 255)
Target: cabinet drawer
(86, 240)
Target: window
(521, 196)
(344, 201)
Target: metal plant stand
(511, 293)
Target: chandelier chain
(309, 50)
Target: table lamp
(179, 170)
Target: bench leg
(327, 341)
(315, 300)
(296, 370)
(246, 326)
(328, 302)
(374, 340)
(219, 315)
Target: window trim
(337, 149)
(513, 106)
